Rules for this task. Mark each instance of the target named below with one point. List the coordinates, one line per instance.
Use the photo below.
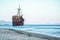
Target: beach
(7, 34)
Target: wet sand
(7, 34)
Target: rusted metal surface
(17, 20)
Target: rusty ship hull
(17, 21)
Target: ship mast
(18, 11)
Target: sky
(34, 11)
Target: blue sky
(34, 11)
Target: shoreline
(43, 36)
(9, 34)
(30, 34)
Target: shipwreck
(18, 20)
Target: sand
(6, 34)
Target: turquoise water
(50, 30)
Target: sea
(53, 30)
